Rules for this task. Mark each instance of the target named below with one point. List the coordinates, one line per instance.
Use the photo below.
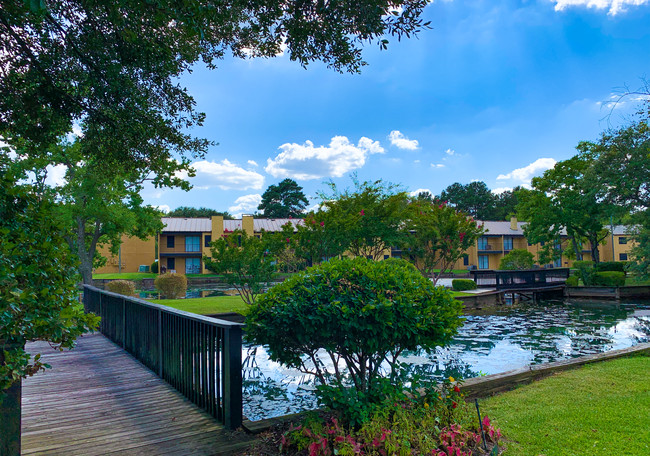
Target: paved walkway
(99, 400)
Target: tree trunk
(10, 414)
(576, 248)
(595, 254)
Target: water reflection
(488, 343)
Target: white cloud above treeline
(522, 176)
(613, 6)
(245, 205)
(224, 175)
(400, 141)
(305, 161)
(420, 190)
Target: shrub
(124, 287)
(436, 424)
(572, 281)
(517, 259)
(610, 266)
(361, 313)
(609, 279)
(154, 267)
(585, 271)
(171, 286)
(463, 284)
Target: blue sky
(497, 91)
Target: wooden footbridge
(531, 284)
(157, 382)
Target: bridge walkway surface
(99, 400)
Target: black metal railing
(530, 278)
(199, 356)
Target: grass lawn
(206, 306)
(457, 294)
(600, 409)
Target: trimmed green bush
(572, 281)
(609, 279)
(171, 286)
(517, 259)
(124, 287)
(154, 267)
(363, 314)
(610, 266)
(585, 271)
(463, 284)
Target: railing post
(123, 323)
(232, 377)
(160, 348)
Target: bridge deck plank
(97, 399)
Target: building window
(170, 242)
(192, 243)
(622, 240)
(208, 239)
(507, 243)
(192, 265)
(386, 257)
(483, 262)
(482, 243)
(171, 263)
(465, 260)
(557, 263)
(622, 256)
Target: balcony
(488, 248)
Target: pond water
(488, 343)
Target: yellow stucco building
(184, 242)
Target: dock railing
(521, 279)
(199, 356)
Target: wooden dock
(97, 399)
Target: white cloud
(224, 175)
(523, 175)
(55, 175)
(420, 190)
(400, 141)
(163, 207)
(245, 204)
(437, 165)
(416, 161)
(450, 152)
(304, 161)
(498, 191)
(252, 163)
(613, 6)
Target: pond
(488, 343)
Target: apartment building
(183, 243)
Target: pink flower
(322, 223)
(362, 213)
(287, 240)
(462, 236)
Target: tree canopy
(477, 200)
(38, 286)
(565, 198)
(366, 221)
(438, 235)
(194, 212)
(113, 67)
(284, 200)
